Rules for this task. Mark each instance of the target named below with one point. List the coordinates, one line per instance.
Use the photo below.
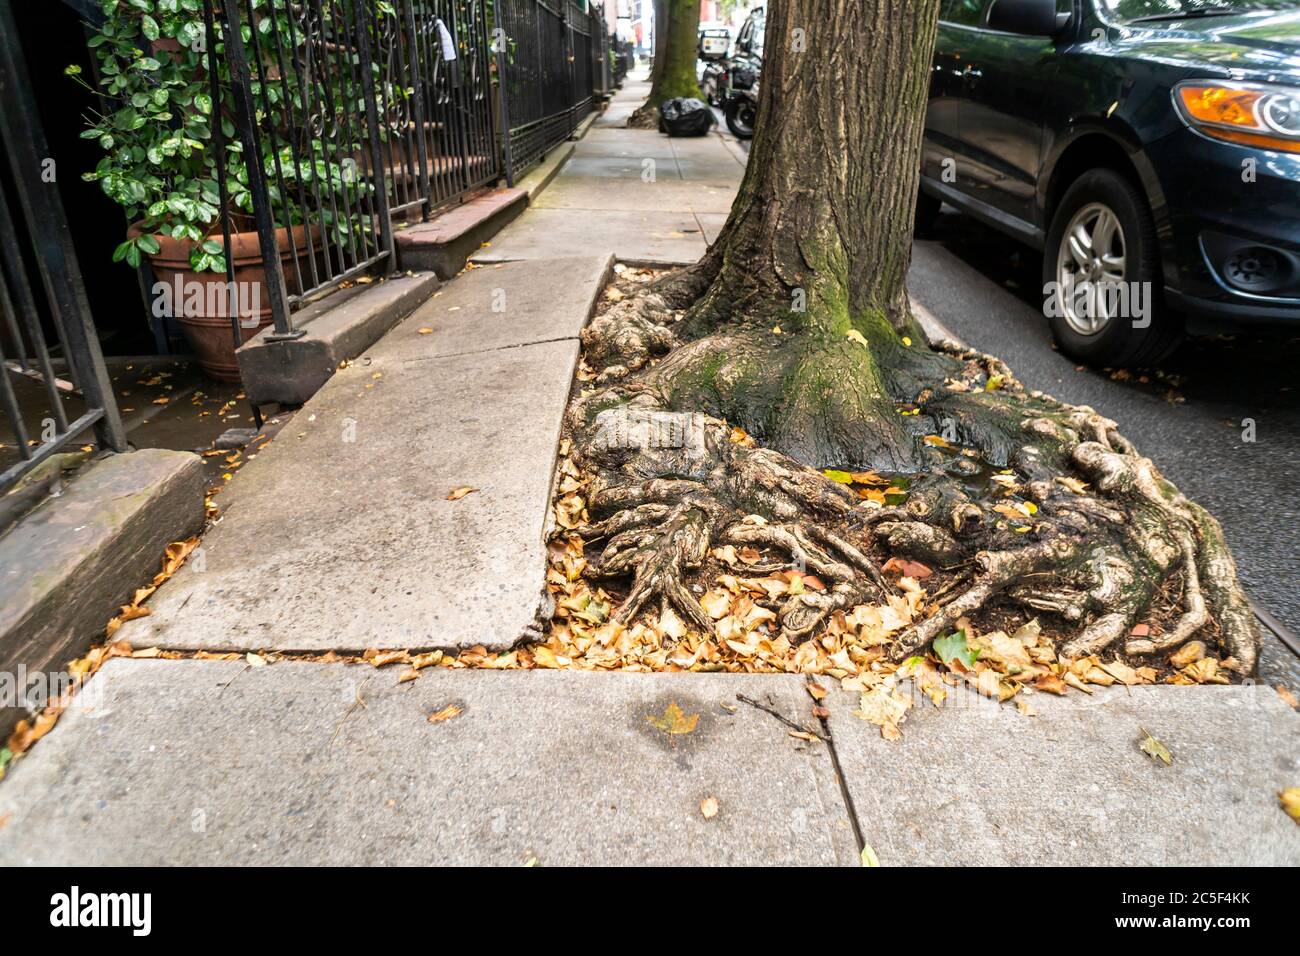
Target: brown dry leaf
(173, 557)
(147, 652)
(1026, 708)
(885, 710)
(1290, 800)
(1287, 696)
(382, 658)
(674, 721)
(1052, 684)
(457, 493)
(1189, 653)
(905, 568)
(709, 807)
(815, 690)
(804, 735)
(447, 713)
(424, 330)
(1205, 671)
(407, 675)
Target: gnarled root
(1035, 503)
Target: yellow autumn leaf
(457, 493)
(1290, 800)
(855, 336)
(674, 721)
(447, 713)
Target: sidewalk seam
(496, 348)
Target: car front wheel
(1101, 275)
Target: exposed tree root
(1026, 502)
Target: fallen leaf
(709, 807)
(255, 660)
(447, 713)
(1155, 749)
(1189, 653)
(674, 721)
(1290, 800)
(953, 647)
(425, 330)
(815, 690)
(804, 735)
(905, 568)
(1026, 708)
(1287, 696)
(457, 493)
(869, 857)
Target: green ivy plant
(157, 127)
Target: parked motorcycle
(741, 104)
(716, 82)
(741, 111)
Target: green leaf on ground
(954, 647)
(869, 857)
(1154, 748)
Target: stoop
(340, 326)
(443, 245)
(67, 566)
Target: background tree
(795, 329)
(674, 68)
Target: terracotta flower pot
(200, 300)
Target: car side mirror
(1035, 18)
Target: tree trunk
(675, 55)
(727, 387)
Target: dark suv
(1149, 148)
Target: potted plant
(160, 166)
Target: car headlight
(1253, 114)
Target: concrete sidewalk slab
(667, 238)
(666, 192)
(625, 144)
(339, 535)
(711, 223)
(978, 784)
(205, 763)
(502, 306)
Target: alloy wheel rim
(1090, 266)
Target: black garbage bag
(685, 116)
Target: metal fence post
(378, 172)
(241, 81)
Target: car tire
(1130, 236)
(927, 213)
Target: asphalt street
(1189, 415)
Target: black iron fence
(365, 110)
(547, 52)
(54, 387)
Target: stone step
(446, 242)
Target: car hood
(1255, 46)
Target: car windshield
(1135, 11)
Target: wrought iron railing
(547, 75)
(49, 354)
(361, 111)
(367, 110)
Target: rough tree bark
(795, 327)
(675, 56)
